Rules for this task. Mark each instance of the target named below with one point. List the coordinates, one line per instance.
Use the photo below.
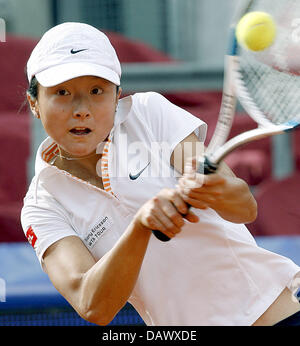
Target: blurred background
(174, 47)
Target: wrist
(139, 227)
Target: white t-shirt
(212, 273)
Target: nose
(81, 108)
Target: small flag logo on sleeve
(32, 238)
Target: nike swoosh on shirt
(77, 51)
(135, 176)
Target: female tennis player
(104, 179)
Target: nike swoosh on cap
(135, 176)
(77, 51)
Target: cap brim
(58, 74)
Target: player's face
(78, 114)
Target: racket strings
(270, 78)
(275, 93)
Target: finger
(205, 189)
(197, 181)
(191, 217)
(155, 224)
(213, 179)
(178, 202)
(191, 167)
(187, 193)
(169, 216)
(173, 199)
(202, 197)
(199, 204)
(152, 222)
(189, 184)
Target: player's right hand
(165, 212)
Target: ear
(117, 97)
(119, 93)
(33, 106)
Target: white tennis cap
(71, 50)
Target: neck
(81, 166)
(68, 158)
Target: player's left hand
(228, 195)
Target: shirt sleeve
(168, 122)
(43, 226)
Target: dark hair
(31, 91)
(33, 88)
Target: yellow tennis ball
(256, 31)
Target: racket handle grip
(206, 167)
(161, 236)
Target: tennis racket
(266, 83)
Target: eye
(96, 91)
(62, 92)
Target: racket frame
(233, 90)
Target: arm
(98, 290)
(228, 195)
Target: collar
(123, 110)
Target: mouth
(80, 131)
